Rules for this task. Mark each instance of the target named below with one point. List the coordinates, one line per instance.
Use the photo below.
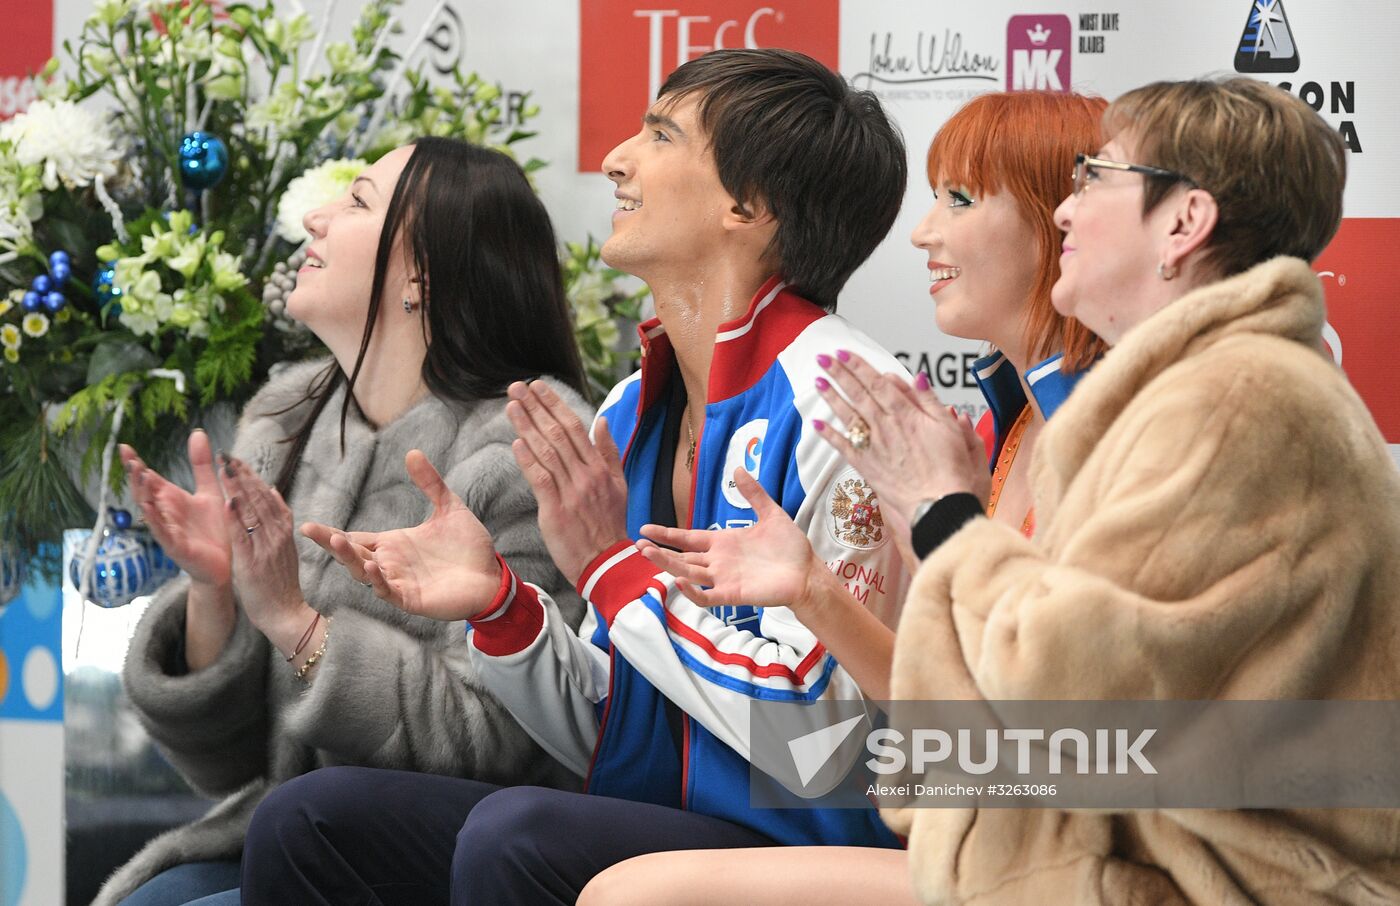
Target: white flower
(35, 324)
(317, 186)
(9, 336)
(20, 201)
(277, 112)
(589, 293)
(12, 354)
(72, 144)
(226, 271)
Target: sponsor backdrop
(593, 65)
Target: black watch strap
(943, 519)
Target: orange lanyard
(1003, 468)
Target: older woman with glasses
(1217, 516)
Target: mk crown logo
(1038, 53)
(1267, 43)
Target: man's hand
(444, 568)
(769, 564)
(578, 482)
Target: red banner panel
(1360, 273)
(627, 48)
(28, 46)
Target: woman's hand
(770, 564)
(189, 527)
(915, 448)
(266, 571)
(444, 567)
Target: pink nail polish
(921, 382)
(823, 384)
(824, 360)
(818, 424)
(843, 355)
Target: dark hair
(494, 308)
(790, 134)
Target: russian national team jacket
(650, 698)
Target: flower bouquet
(149, 200)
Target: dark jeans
(191, 884)
(359, 836)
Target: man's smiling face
(670, 201)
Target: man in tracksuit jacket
(758, 182)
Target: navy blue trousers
(360, 836)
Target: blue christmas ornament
(121, 519)
(104, 290)
(60, 271)
(163, 569)
(32, 302)
(11, 573)
(59, 257)
(55, 301)
(121, 571)
(42, 284)
(203, 160)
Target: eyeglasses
(1084, 167)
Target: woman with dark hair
(419, 281)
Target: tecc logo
(629, 48)
(28, 46)
(1267, 43)
(1038, 53)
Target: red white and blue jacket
(598, 700)
(1050, 384)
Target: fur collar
(1279, 298)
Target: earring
(1164, 272)
(407, 305)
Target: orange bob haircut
(1024, 143)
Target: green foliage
(601, 300)
(180, 324)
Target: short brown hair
(1274, 167)
(1023, 143)
(824, 158)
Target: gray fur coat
(393, 690)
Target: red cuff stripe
(612, 588)
(514, 619)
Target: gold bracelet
(315, 655)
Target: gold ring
(859, 435)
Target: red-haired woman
(998, 169)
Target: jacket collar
(745, 348)
(1001, 385)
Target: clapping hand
(577, 481)
(901, 439)
(769, 564)
(188, 527)
(445, 567)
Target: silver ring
(252, 528)
(367, 584)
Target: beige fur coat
(1218, 518)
